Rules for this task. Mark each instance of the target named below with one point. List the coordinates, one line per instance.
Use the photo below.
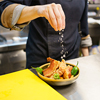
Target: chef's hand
(54, 14)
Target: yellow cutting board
(25, 85)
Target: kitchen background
(13, 43)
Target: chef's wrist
(34, 11)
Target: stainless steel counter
(87, 86)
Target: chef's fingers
(47, 12)
(52, 17)
(62, 15)
(57, 16)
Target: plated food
(58, 73)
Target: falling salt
(61, 42)
(60, 38)
(60, 32)
(64, 55)
(62, 45)
(66, 52)
(62, 51)
(62, 35)
(61, 57)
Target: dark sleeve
(84, 23)
(3, 5)
(86, 40)
(6, 3)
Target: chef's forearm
(85, 51)
(28, 14)
(16, 15)
(52, 12)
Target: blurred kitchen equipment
(12, 50)
(97, 1)
(94, 1)
(94, 22)
(94, 11)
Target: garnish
(38, 69)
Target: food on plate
(74, 70)
(54, 65)
(58, 70)
(38, 69)
(56, 76)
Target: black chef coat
(44, 41)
